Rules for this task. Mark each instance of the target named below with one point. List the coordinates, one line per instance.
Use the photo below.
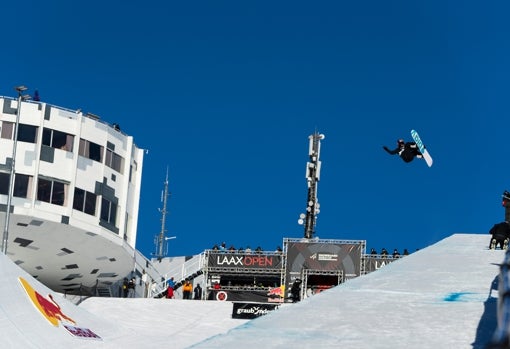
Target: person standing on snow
(197, 292)
(407, 151)
(187, 288)
(500, 235)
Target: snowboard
(421, 147)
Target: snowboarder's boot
(493, 244)
(505, 244)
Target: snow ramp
(444, 296)
(33, 316)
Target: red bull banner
(52, 312)
(243, 261)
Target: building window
(4, 183)
(57, 139)
(133, 168)
(51, 191)
(84, 201)
(108, 211)
(114, 161)
(90, 150)
(26, 133)
(22, 185)
(7, 130)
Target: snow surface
(443, 296)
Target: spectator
(212, 293)
(406, 252)
(231, 249)
(373, 251)
(187, 288)
(296, 290)
(170, 292)
(215, 247)
(197, 292)
(241, 250)
(131, 288)
(500, 235)
(248, 249)
(278, 249)
(36, 97)
(223, 246)
(125, 284)
(396, 254)
(258, 249)
(145, 283)
(171, 282)
(384, 252)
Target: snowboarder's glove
(386, 148)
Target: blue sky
(226, 93)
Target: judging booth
(244, 277)
(303, 268)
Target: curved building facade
(74, 206)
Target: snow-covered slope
(443, 296)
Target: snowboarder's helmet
(400, 141)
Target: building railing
(501, 336)
(78, 111)
(179, 273)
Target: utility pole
(313, 169)
(160, 240)
(10, 194)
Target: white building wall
(133, 197)
(75, 170)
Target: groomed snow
(443, 296)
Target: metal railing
(179, 273)
(501, 336)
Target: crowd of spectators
(385, 253)
(248, 250)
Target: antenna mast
(160, 240)
(313, 169)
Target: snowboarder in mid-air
(407, 151)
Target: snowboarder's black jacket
(407, 152)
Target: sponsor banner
(322, 256)
(244, 261)
(274, 295)
(81, 332)
(372, 263)
(251, 310)
(51, 311)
